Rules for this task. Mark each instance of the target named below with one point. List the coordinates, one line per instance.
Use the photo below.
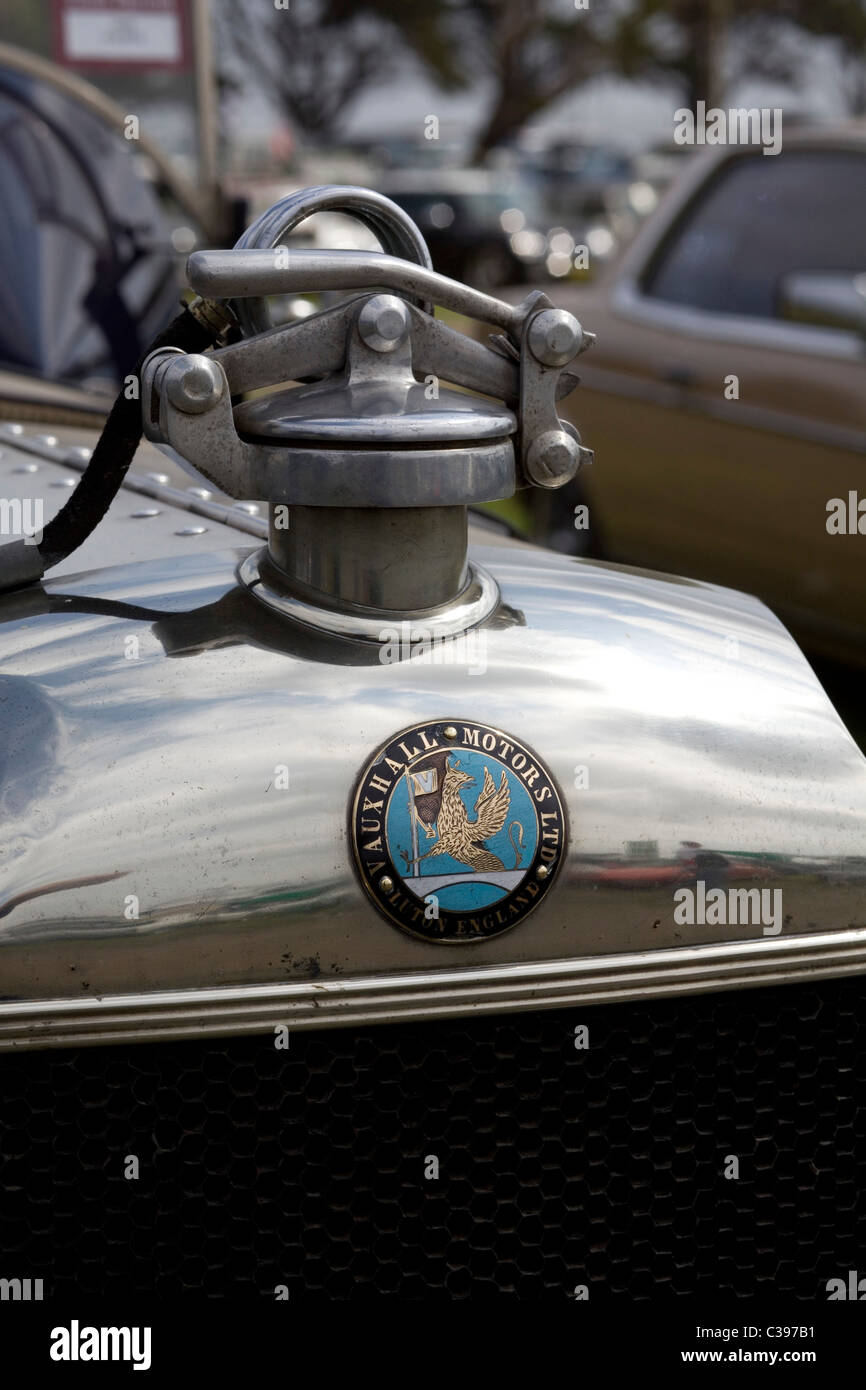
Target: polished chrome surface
(314, 445)
(200, 778)
(394, 229)
(333, 557)
(256, 274)
(396, 411)
(388, 477)
(473, 606)
(369, 423)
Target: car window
(761, 218)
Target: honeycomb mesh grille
(558, 1166)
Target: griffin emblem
(463, 838)
(428, 830)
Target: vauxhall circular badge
(458, 831)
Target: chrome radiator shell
(694, 715)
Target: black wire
(113, 453)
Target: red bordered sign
(122, 34)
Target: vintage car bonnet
(385, 765)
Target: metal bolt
(555, 336)
(64, 482)
(542, 871)
(553, 458)
(203, 492)
(191, 531)
(145, 511)
(26, 468)
(383, 323)
(386, 883)
(449, 731)
(194, 383)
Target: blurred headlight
(183, 240)
(600, 241)
(560, 242)
(512, 220)
(558, 263)
(642, 197)
(528, 245)
(441, 214)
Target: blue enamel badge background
(474, 891)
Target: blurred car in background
(484, 228)
(96, 226)
(585, 182)
(404, 150)
(659, 166)
(602, 190)
(726, 396)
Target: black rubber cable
(114, 452)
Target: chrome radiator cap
(369, 463)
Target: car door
(722, 429)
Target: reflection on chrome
(689, 737)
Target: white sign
(104, 34)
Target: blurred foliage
(26, 25)
(691, 41)
(315, 57)
(534, 51)
(514, 511)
